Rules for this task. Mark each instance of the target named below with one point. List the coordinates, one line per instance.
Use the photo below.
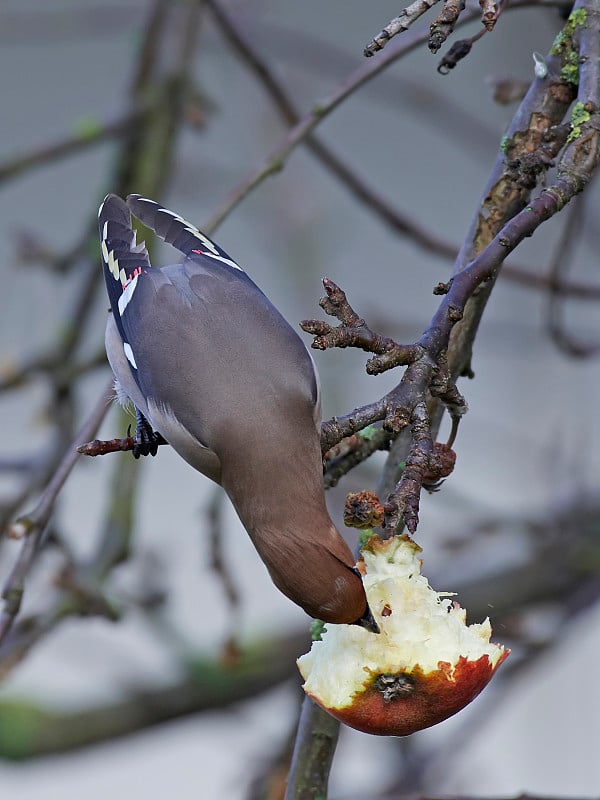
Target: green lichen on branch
(564, 40)
(570, 71)
(564, 47)
(579, 116)
(369, 432)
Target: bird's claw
(145, 440)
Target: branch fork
(427, 375)
(354, 332)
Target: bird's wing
(207, 347)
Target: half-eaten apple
(424, 665)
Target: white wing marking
(129, 354)
(126, 296)
(224, 260)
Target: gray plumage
(218, 372)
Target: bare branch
(371, 199)
(561, 260)
(222, 570)
(429, 370)
(90, 135)
(307, 124)
(33, 524)
(352, 451)
(34, 520)
(313, 754)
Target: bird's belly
(189, 448)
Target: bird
(213, 369)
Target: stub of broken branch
(489, 13)
(443, 24)
(100, 447)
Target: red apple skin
(425, 700)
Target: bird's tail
(176, 231)
(123, 258)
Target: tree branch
(33, 524)
(299, 133)
(309, 771)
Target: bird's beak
(367, 621)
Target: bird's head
(326, 588)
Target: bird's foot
(145, 440)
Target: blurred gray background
(528, 446)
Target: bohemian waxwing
(213, 369)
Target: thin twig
(298, 134)
(311, 53)
(33, 524)
(366, 194)
(35, 519)
(91, 135)
(136, 169)
(221, 568)
(100, 447)
(397, 220)
(560, 263)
